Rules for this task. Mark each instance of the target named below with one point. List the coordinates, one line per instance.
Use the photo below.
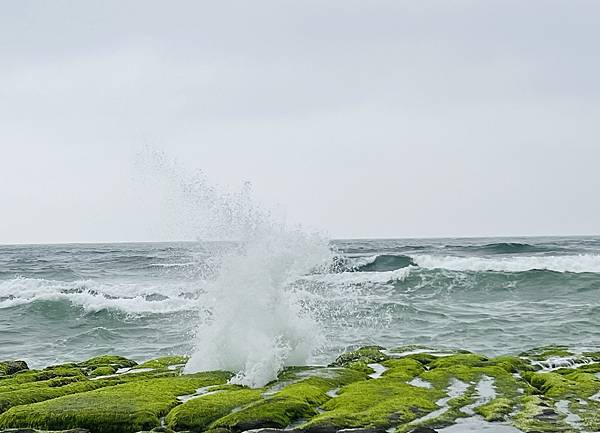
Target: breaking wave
(93, 296)
(569, 263)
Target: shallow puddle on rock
(200, 392)
(420, 383)
(572, 419)
(479, 425)
(122, 371)
(485, 391)
(456, 389)
(333, 393)
(175, 366)
(378, 370)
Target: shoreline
(397, 390)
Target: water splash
(255, 323)
(252, 320)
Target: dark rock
(321, 428)
(547, 415)
(30, 430)
(423, 430)
(362, 430)
(258, 424)
(18, 430)
(270, 430)
(12, 367)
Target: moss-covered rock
(377, 403)
(163, 362)
(414, 389)
(120, 408)
(538, 415)
(364, 355)
(545, 352)
(107, 360)
(496, 410)
(46, 390)
(564, 384)
(11, 367)
(105, 370)
(199, 413)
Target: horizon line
(332, 239)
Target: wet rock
(547, 415)
(362, 430)
(423, 430)
(321, 428)
(11, 367)
(367, 354)
(18, 430)
(301, 399)
(29, 430)
(270, 430)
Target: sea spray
(251, 318)
(255, 323)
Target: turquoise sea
(141, 300)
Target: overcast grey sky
(361, 118)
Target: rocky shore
(372, 389)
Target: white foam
(558, 362)
(94, 296)
(346, 278)
(567, 263)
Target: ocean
(141, 300)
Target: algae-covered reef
(405, 389)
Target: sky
(358, 118)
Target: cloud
(365, 119)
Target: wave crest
(570, 263)
(93, 296)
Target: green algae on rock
(164, 362)
(8, 368)
(119, 408)
(412, 389)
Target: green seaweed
(545, 352)
(296, 401)
(91, 396)
(536, 415)
(496, 410)
(567, 383)
(107, 360)
(46, 390)
(121, 408)
(103, 371)
(197, 414)
(163, 362)
(375, 403)
(364, 355)
(8, 368)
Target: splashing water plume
(251, 317)
(256, 324)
